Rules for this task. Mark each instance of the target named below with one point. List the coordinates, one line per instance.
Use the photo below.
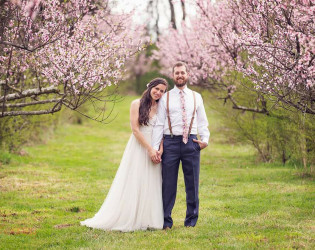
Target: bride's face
(157, 91)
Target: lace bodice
(148, 129)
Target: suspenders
(168, 113)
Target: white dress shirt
(200, 123)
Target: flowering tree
(272, 43)
(60, 53)
(279, 37)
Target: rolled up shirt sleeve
(158, 128)
(202, 122)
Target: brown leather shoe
(166, 228)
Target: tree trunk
(183, 9)
(173, 18)
(156, 27)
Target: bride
(134, 201)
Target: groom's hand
(201, 143)
(159, 154)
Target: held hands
(155, 156)
(201, 143)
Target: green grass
(243, 204)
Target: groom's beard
(179, 85)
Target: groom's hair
(179, 64)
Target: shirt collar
(185, 90)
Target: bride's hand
(154, 156)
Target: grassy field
(243, 204)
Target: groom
(181, 115)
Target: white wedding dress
(134, 201)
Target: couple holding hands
(164, 133)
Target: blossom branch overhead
(76, 46)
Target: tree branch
(29, 92)
(243, 108)
(20, 105)
(38, 112)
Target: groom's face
(180, 76)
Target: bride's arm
(135, 127)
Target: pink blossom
(31, 8)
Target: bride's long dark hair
(146, 100)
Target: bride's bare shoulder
(135, 103)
